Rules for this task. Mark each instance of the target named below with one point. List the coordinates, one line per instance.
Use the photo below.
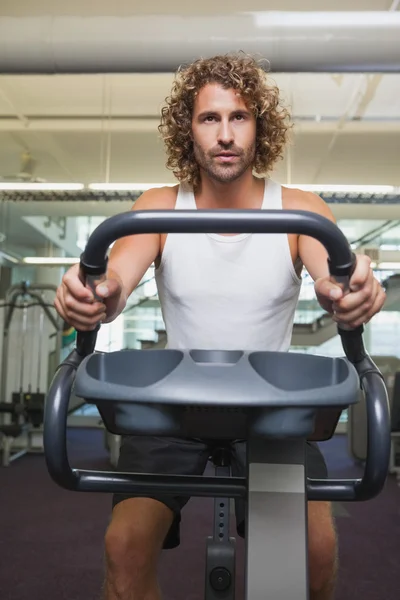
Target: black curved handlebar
(94, 258)
(378, 445)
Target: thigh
(164, 455)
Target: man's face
(224, 133)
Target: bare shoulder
(162, 198)
(295, 199)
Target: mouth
(226, 156)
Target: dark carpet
(51, 540)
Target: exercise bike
(275, 401)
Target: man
(222, 123)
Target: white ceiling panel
(386, 101)
(84, 95)
(310, 96)
(20, 8)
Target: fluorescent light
(129, 187)
(388, 266)
(41, 187)
(319, 19)
(125, 187)
(334, 189)
(348, 189)
(9, 257)
(50, 260)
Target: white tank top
(236, 292)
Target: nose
(225, 133)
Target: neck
(241, 194)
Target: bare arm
(131, 256)
(129, 259)
(312, 253)
(365, 298)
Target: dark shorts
(189, 457)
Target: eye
(209, 118)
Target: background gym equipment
(31, 332)
(276, 401)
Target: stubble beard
(224, 172)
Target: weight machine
(23, 383)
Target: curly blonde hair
(233, 71)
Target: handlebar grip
(342, 273)
(352, 340)
(86, 341)
(91, 277)
(353, 344)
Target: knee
(127, 547)
(322, 555)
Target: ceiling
(103, 128)
(23, 8)
(94, 128)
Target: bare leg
(133, 543)
(322, 551)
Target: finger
(74, 285)
(108, 288)
(359, 315)
(378, 304)
(353, 300)
(357, 305)
(364, 315)
(328, 289)
(60, 309)
(84, 323)
(79, 322)
(361, 273)
(72, 306)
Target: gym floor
(51, 540)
